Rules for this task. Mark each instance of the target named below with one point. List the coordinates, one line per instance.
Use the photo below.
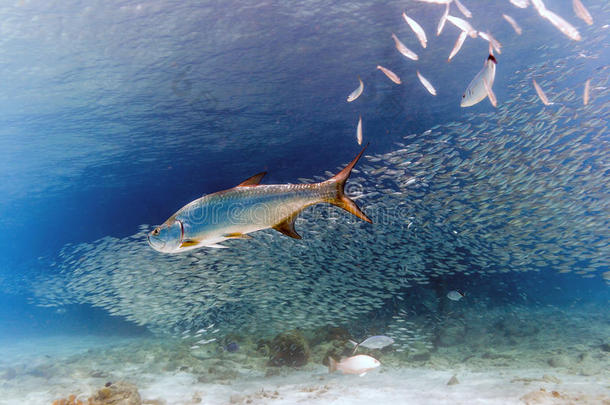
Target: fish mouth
(163, 244)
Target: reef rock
(321, 353)
(328, 341)
(329, 333)
(289, 349)
(71, 400)
(453, 380)
(120, 393)
(543, 397)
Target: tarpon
(247, 208)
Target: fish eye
(155, 232)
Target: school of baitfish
(522, 187)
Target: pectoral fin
(252, 181)
(237, 235)
(189, 242)
(287, 227)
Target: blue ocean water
(115, 114)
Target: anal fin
(287, 227)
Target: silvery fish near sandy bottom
(247, 208)
(373, 342)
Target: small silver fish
(426, 84)
(417, 29)
(581, 12)
(520, 3)
(442, 21)
(359, 131)
(539, 6)
(585, 94)
(455, 295)
(562, 25)
(391, 75)
(497, 46)
(458, 45)
(406, 52)
(356, 93)
(513, 23)
(476, 92)
(541, 94)
(247, 208)
(463, 25)
(463, 9)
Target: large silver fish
(247, 208)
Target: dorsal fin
(252, 181)
(287, 227)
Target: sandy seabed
(41, 370)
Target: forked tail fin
(356, 344)
(340, 199)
